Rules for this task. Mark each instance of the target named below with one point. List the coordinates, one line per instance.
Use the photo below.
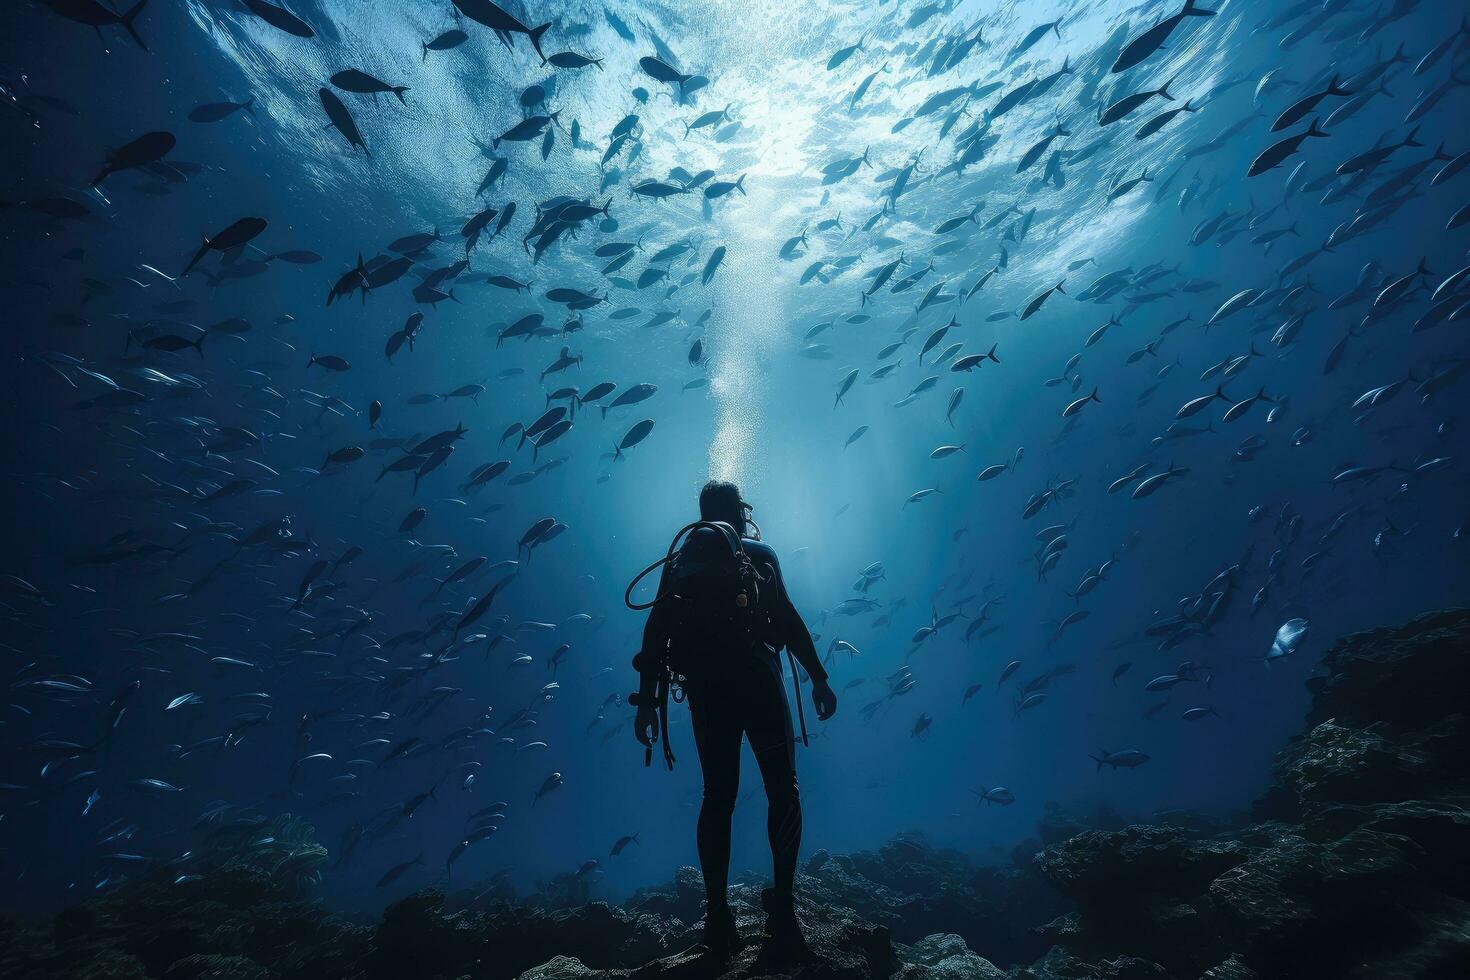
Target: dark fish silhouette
(342, 120)
(1299, 109)
(1273, 155)
(447, 41)
(662, 71)
(232, 237)
(1153, 39)
(146, 149)
(493, 16)
(352, 80)
(634, 436)
(215, 111)
(94, 14)
(279, 18)
(1128, 103)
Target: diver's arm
(797, 637)
(654, 648)
(799, 641)
(651, 653)
(648, 661)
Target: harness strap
(737, 549)
(796, 693)
(663, 721)
(661, 702)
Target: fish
(1130, 103)
(96, 15)
(1301, 108)
(342, 120)
(1277, 152)
(1288, 640)
(1125, 759)
(1034, 306)
(1159, 121)
(662, 71)
(631, 396)
(447, 41)
(633, 437)
(397, 871)
(1034, 36)
(1139, 49)
(279, 18)
(1039, 148)
(717, 255)
(495, 17)
(550, 783)
(233, 237)
(147, 150)
(215, 111)
(353, 80)
(1149, 485)
(970, 361)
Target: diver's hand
(645, 727)
(824, 699)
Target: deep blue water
(104, 615)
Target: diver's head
(719, 500)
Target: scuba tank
(713, 602)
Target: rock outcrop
(1357, 868)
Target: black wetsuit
(740, 692)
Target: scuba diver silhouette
(715, 630)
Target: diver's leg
(768, 725)
(717, 739)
